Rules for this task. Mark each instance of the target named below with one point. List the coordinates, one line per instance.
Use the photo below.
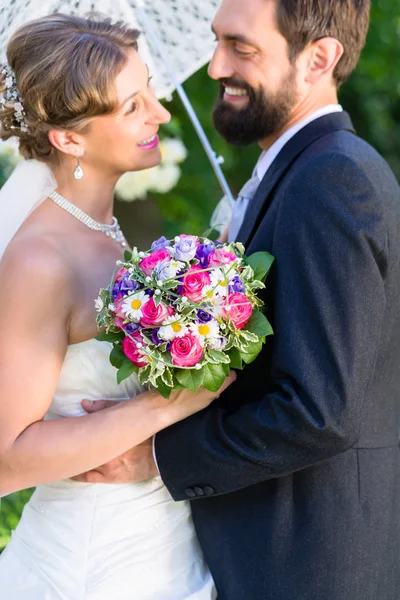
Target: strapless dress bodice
(88, 374)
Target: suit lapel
(285, 159)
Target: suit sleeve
(330, 245)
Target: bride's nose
(157, 113)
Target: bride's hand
(185, 403)
(138, 464)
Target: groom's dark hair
(303, 22)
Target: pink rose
(194, 283)
(240, 310)
(155, 315)
(186, 351)
(120, 274)
(194, 238)
(220, 257)
(120, 323)
(149, 263)
(118, 304)
(131, 350)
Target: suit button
(190, 493)
(199, 491)
(208, 490)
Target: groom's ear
(67, 142)
(323, 56)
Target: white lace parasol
(176, 40)
(182, 27)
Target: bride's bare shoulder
(36, 261)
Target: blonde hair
(65, 69)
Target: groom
(294, 473)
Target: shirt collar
(267, 157)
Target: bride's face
(127, 140)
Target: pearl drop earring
(78, 173)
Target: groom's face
(258, 89)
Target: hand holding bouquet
(184, 313)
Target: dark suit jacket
(295, 472)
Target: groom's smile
(258, 81)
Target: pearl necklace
(113, 231)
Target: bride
(78, 96)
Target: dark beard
(262, 118)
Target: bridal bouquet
(184, 313)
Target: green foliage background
(372, 96)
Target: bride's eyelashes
(134, 104)
(132, 108)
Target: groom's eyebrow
(236, 37)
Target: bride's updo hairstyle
(65, 69)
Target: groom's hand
(131, 467)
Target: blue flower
(185, 250)
(162, 242)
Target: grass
(11, 508)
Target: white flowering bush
(161, 179)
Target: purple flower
(154, 336)
(236, 285)
(157, 341)
(185, 249)
(124, 287)
(162, 242)
(203, 252)
(204, 316)
(132, 328)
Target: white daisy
(172, 328)
(132, 305)
(98, 304)
(219, 284)
(203, 331)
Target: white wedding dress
(82, 541)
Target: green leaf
(248, 336)
(126, 370)
(216, 356)
(117, 357)
(167, 378)
(260, 262)
(253, 352)
(235, 358)
(111, 336)
(127, 256)
(144, 374)
(259, 324)
(163, 389)
(157, 299)
(191, 379)
(214, 377)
